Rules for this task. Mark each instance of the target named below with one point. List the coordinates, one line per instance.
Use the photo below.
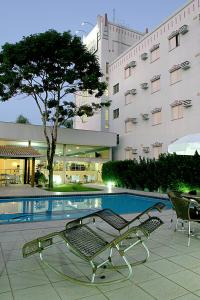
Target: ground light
(110, 185)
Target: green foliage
(170, 171)
(22, 120)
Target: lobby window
(115, 88)
(174, 41)
(177, 112)
(116, 113)
(156, 118)
(175, 76)
(155, 85)
(155, 53)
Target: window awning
(18, 152)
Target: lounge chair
(89, 245)
(115, 220)
(187, 210)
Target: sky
(24, 17)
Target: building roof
(18, 152)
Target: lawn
(73, 187)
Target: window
(107, 118)
(128, 99)
(157, 151)
(177, 112)
(155, 85)
(116, 113)
(128, 72)
(128, 153)
(116, 88)
(175, 76)
(107, 68)
(155, 54)
(128, 126)
(174, 42)
(157, 118)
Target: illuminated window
(155, 85)
(155, 54)
(175, 76)
(116, 88)
(177, 112)
(107, 118)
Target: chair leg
(189, 233)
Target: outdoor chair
(90, 246)
(187, 210)
(115, 220)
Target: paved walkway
(27, 190)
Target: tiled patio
(172, 272)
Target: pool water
(15, 210)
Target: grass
(73, 187)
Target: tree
(49, 66)
(22, 120)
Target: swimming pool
(29, 209)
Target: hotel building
(154, 87)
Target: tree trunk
(51, 176)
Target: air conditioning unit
(146, 149)
(144, 85)
(184, 29)
(145, 116)
(133, 92)
(134, 120)
(185, 65)
(187, 103)
(144, 56)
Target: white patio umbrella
(186, 145)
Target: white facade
(155, 87)
(107, 40)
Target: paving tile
(188, 297)
(4, 284)
(17, 266)
(164, 267)
(129, 293)
(186, 261)
(38, 292)
(25, 280)
(142, 273)
(162, 288)
(187, 279)
(95, 297)
(71, 291)
(165, 251)
(6, 296)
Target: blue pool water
(15, 210)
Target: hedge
(170, 171)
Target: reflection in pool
(67, 207)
